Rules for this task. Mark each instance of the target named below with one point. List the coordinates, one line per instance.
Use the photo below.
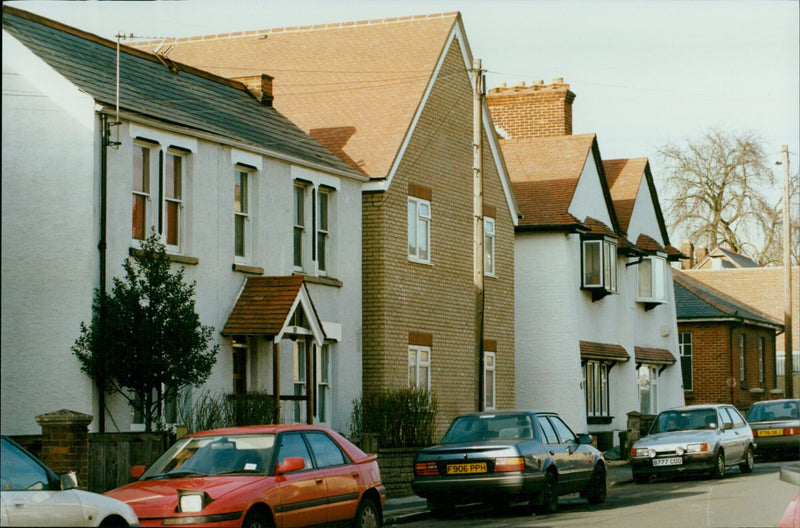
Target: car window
(738, 421)
(293, 445)
(564, 432)
(764, 412)
(726, 418)
(549, 433)
(325, 450)
(19, 472)
(479, 428)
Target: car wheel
(747, 465)
(368, 515)
(597, 485)
(718, 471)
(441, 507)
(548, 499)
(641, 478)
(256, 519)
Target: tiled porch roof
(592, 350)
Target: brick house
(393, 99)
(727, 348)
(763, 289)
(595, 315)
(212, 169)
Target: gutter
(138, 118)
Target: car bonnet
(678, 437)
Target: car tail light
(792, 431)
(509, 464)
(426, 469)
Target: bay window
(599, 266)
(652, 280)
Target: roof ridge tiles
(263, 33)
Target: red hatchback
(259, 476)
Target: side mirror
(585, 439)
(137, 471)
(289, 465)
(68, 481)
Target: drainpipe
(102, 245)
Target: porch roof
(607, 351)
(265, 306)
(660, 356)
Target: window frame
(652, 380)
(596, 388)
(322, 229)
(143, 194)
(299, 224)
(242, 213)
(419, 218)
(174, 241)
(683, 346)
(489, 372)
(657, 276)
(489, 235)
(605, 255)
(416, 363)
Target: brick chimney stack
(687, 248)
(260, 86)
(538, 110)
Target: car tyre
(718, 471)
(256, 519)
(597, 485)
(547, 502)
(747, 465)
(368, 515)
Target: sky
(645, 73)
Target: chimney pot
(558, 80)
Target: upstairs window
(652, 280)
(141, 192)
(488, 246)
(241, 210)
(173, 199)
(314, 222)
(323, 233)
(599, 266)
(299, 224)
(419, 230)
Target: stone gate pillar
(65, 442)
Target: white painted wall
(588, 198)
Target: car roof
(506, 413)
(784, 400)
(260, 429)
(699, 406)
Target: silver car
(705, 439)
(776, 426)
(32, 495)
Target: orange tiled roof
(593, 350)
(263, 305)
(624, 179)
(648, 243)
(598, 227)
(355, 87)
(545, 172)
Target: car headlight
(641, 452)
(697, 448)
(679, 451)
(192, 501)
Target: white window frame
(419, 367)
(299, 212)
(605, 251)
(242, 211)
(176, 201)
(654, 269)
(488, 246)
(419, 221)
(489, 373)
(143, 195)
(685, 348)
(647, 376)
(299, 378)
(596, 388)
(168, 406)
(323, 369)
(323, 231)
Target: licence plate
(672, 461)
(462, 469)
(770, 432)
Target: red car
(260, 476)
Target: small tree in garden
(145, 340)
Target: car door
(342, 478)
(32, 495)
(556, 450)
(731, 441)
(579, 460)
(741, 431)
(303, 497)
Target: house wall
(50, 267)
(715, 364)
(588, 197)
(437, 299)
(49, 248)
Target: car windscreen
(214, 455)
(777, 410)
(478, 428)
(685, 420)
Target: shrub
(399, 418)
(209, 411)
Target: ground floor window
(240, 353)
(489, 370)
(320, 372)
(419, 367)
(167, 409)
(648, 389)
(595, 388)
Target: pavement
(399, 510)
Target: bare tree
(719, 190)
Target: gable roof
(334, 80)
(545, 172)
(727, 259)
(697, 301)
(188, 98)
(266, 304)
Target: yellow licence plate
(461, 469)
(770, 432)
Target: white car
(695, 439)
(32, 495)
